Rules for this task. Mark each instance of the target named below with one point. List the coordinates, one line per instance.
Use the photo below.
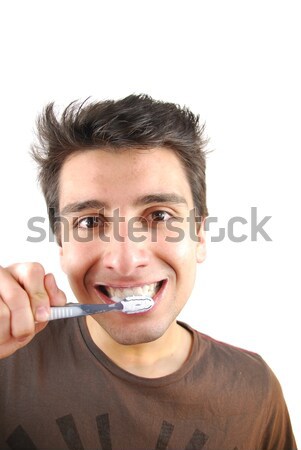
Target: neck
(150, 360)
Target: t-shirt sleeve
(277, 432)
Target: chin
(136, 335)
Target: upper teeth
(118, 294)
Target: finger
(31, 277)
(17, 302)
(56, 296)
(4, 322)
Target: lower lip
(157, 298)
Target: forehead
(122, 174)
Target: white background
(237, 64)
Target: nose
(126, 253)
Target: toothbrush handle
(78, 310)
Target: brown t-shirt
(62, 392)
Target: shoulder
(233, 366)
(245, 384)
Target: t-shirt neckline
(103, 359)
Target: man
(124, 182)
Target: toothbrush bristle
(136, 304)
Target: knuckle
(39, 296)
(21, 329)
(22, 333)
(3, 272)
(33, 269)
(15, 299)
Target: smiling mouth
(118, 294)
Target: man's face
(127, 233)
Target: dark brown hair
(137, 121)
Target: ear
(201, 244)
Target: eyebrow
(76, 207)
(160, 198)
(81, 206)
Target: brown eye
(160, 216)
(90, 222)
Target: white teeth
(145, 290)
(118, 294)
(138, 290)
(127, 292)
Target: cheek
(181, 256)
(76, 258)
(76, 261)
(180, 251)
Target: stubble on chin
(133, 334)
(136, 335)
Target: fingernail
(42, 314)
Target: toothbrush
(129, 305)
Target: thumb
(56, 296)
